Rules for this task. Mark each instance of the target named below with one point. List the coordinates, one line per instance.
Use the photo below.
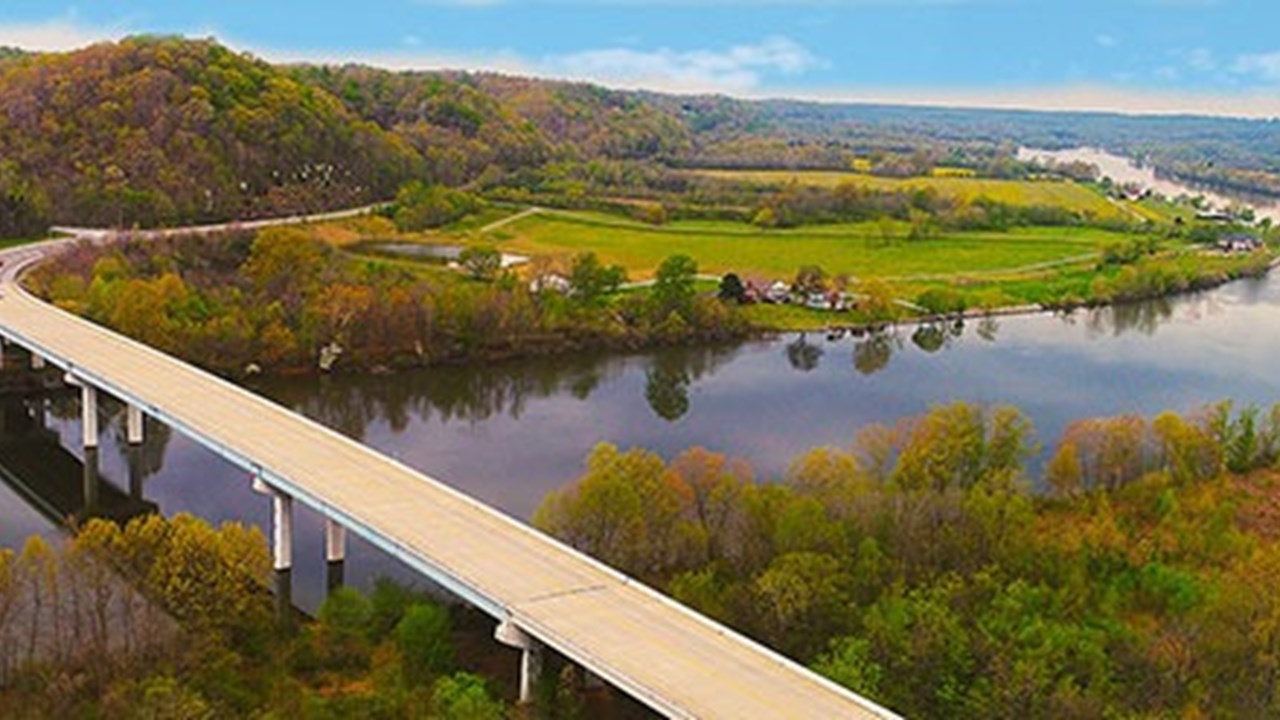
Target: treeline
(172, 619)
(282, 299)
(918, 568)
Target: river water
(510, 433)
(1124, 171)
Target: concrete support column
(89, 415)
(509, 634)
(335, 552)
(133, 424)
(37, 361)
(282, 531)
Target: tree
(810, 279)
(423, 639)
(849, 663)
(421, 207)
(342, 628)
(463, 696)
(482, 263)
(589, 281)
(731, 289)
(673, 287)
(626, 510)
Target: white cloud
(735, 69)
(1201, 59)
(1106, 41)
(1265, 66)
(56, 35)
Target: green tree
(463, 696)
(423, 637)
(673, 289)
(849, 663)
(341, 629)
(590, 281)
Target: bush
(423, 639)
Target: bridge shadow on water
(64, 488)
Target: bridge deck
(672, 659)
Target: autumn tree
(627, 510)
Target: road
(670, 658)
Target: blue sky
(1215, 56)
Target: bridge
(541, 592)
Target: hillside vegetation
(162, 131)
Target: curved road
(670, 658)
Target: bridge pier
(282, 531)
(335, 552)
(510, 635)
(89, 415)
(133, 424)
(281, 546)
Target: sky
(1218, 57)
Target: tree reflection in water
(803, 355)
(475, 394)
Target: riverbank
(1138, 283)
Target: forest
(112, 135)
(173, 619)
(925, 566)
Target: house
(817, 301)
(1214, 216)
(778, 292)
(755, 290)
(551, 282)
(1238, 242)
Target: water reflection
(802, 354)
(62, 488)
(872, 353)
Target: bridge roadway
(674, 660)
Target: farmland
(876, 249)
(1069, 195)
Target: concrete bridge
(541, 593)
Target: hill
(164, 130)
(152, 131)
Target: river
(1125, 171)
(508, 434)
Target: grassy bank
(871, 249)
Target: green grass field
(1069, 195)
(860, 250)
